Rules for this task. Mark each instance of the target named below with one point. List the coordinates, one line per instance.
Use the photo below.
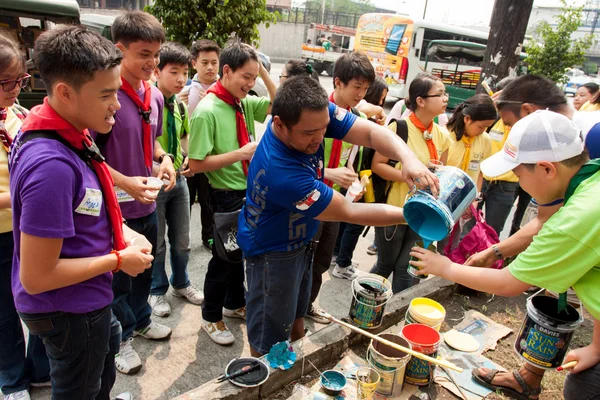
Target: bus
(397, 47)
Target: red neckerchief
(145, 111)
(240, 122)
(44, 118)
(336, 151)
(433, 154)
(4, 136)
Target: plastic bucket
(390, 363)
(425, 311)
(545, 334)
(433, 218)
(370, 293)
(425, 340)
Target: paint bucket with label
(425, 311)
(390, 363)
(545, 334)
(433, 218)
(425, 340)
(370, 293)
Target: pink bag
(480, 238)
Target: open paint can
(390, 363)
(370, 293)
(425, 340)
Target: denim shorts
(277, 293)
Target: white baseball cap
(541, 136)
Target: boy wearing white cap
(546, 151)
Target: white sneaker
(349, 273)
(154, 331)
(333, 260)
(124, 396)
(191, 293)
(22, 395)
(218, 332)
(127, 360)
(160, 305)
(239, 313)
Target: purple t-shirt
(124, 150)
(56, 195)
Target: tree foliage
(553, 51)
(188, 20)
(345, 6)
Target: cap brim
(497, 165)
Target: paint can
(433, 218)
(370, 293)
(390, 363)
(545, 334)
(412, 270)
(425, 340)
(425, 311)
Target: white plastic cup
(354, 190)
(154, 183)
(141, 241)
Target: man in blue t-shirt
(286, 198)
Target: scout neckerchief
(336, 151)
(5, 137)
(585, 172)
(44, 118)
(171, 126)
(240, 122)
(427, 134)
(468, 142)
(145, 110)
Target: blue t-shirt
(286, 192)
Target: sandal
(486, 380)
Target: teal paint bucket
(433, 218)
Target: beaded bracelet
(119, 261)
(497, 252)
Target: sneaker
(44, 384)
(208, 244)
(239, 313)
(127, 360)
(349, 273)
(22, 395)
(154, 331)
(372, 249)
(160, 305)
(124, 396)
(218, 332)
(318, 315)
(191, 293)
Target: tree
(345, 6)
(557, 50)
(507, 32)
(188, 20)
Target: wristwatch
(162, 157)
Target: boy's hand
(586, 357)
(246, 152)
(483, 259)
(135, 260)
(416, 173)
(341, 176)
(166, 168)
(137, 187)
(429, 262)
(185, 168)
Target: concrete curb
(321, 347)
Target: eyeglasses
(436, 95)
(7, 86)
(282, 76)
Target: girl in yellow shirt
(472, 144)
(427, 99)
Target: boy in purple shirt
(130, 150)
(66, 216)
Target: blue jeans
(346, 243)
(130, 304)
(584, 385)
(173, 208)
(393, 248)
(81, 349)
(17, 370)
(498, 198)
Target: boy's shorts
(277, 293)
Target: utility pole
(425, 9)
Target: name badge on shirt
(91, 203)
(123, 196)
(497, 136)
(474, 165)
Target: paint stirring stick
(568, 365)
(317, 369)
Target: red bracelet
(119, 261)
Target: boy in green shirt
(221, 145)
(173, 207)
(546, 152)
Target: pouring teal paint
(433, 218)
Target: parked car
(576, 78)
(259, 88)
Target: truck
(320, 59)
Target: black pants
(524, 199)
(224, 282)
(199, 187)
(324, 245)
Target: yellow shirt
(481, 148)
(417, 144)
(587, 107)
(12, 124)
(498, 135)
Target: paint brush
(568, 365)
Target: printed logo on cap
(510, 149)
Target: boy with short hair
(205, 60)
(130, 151)
(221, 145)
(66, 215)
(173, 206)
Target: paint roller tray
(252, 378)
